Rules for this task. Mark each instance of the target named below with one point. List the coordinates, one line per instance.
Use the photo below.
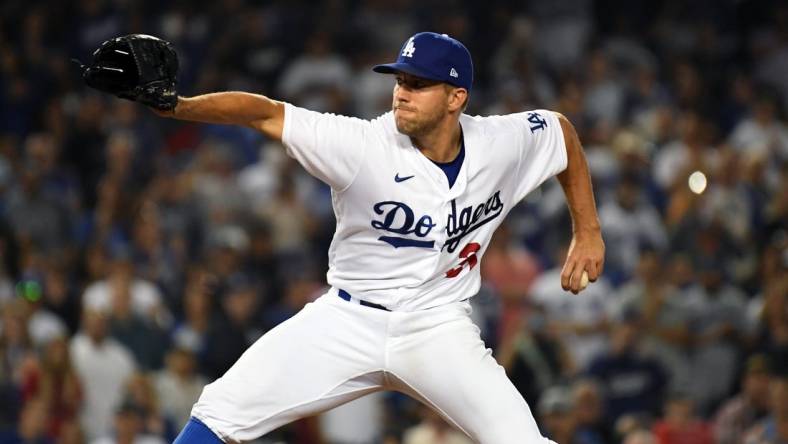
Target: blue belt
(346, 296)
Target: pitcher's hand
(586, 252)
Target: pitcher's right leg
(330, 353)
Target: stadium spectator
(534, 356)
(589, 410)
(718, 327)
(143, 298)
(773, 428)
(197, 307)
(103, 366)
(318, 77)
(630, 223)
(741, 412)
(54, 382)
(16, 355)
(666, 313)
(235, 329)
(559, 420)
(178, 385)
(141, 392)
(129, 428)
(582, 323)
(680, 424)
(631, 382)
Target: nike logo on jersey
(402, 179)
(470, 219)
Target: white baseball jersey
(405, 239)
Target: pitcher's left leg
(442, 361)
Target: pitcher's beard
(417, 127)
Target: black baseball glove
(137, 67)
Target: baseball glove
(136, 67)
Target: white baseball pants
(334, 351)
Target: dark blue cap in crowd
(435, 57)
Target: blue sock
(196, 432)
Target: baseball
(584, 280)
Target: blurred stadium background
(139, 256)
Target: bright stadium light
(697, 182)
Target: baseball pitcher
(417, 193)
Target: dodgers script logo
(470, 219)
(399, 219)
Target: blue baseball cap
(433, 56)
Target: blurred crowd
(139, 256)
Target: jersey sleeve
(542, 150)
(328, 146)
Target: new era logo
(453, 73)
(409, 49)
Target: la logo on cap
(453, 73)
(410, 48)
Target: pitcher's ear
(458, 98)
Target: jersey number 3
(468, 256)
